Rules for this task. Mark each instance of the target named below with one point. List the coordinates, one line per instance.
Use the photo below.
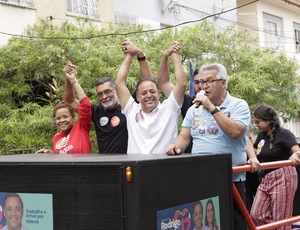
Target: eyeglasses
(208, 82)
(105, 92)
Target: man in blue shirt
(217, 123)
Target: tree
(31, 78)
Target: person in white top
(152, 125)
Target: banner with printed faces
(199, 213)
(26, 211)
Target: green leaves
(32, 79)
(28, 127)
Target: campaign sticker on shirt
(195, 123)
(103, 121)
(115, 121)
(202, 128)
(213, 127)
(139, 117)
(259, 146)
(198, 111)
(227, 114)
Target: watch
(215, 111)
(141, 58)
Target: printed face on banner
(190, 216)
(26, 211)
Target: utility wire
(134, 32)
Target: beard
(110, 104)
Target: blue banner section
(31, 211)
(186, 216)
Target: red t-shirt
(78, 139)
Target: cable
(134, 32)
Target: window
(273, 28)
(84, 7)
(125, 19)
(297, 37)
(19, 2)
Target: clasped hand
(173, 150)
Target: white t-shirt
(151, 133)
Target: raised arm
(144, 65)
(122, 90)
(69, 96)
(163, 76)
(69, 71)
(141, 57)
(180, 86)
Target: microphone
(201, 93)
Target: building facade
(162, 13)
(17, 14)
(276, 23)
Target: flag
(192, 90)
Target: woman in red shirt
(73, 136)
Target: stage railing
(241, 204)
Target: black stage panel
(91, 192)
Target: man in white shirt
(152, 125)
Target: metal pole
(242, 207)
(267, 165)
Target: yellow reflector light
(129, 174)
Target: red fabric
(274, 197)
(78, 139)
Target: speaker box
(93, 192)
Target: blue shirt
(208, 136)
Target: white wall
(289, 14)
(14, 20)
(172, 12)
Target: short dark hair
(196, 71)
(145, 80)
(105, 79)
(200, 203)
(62, 105)
(11, 195)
